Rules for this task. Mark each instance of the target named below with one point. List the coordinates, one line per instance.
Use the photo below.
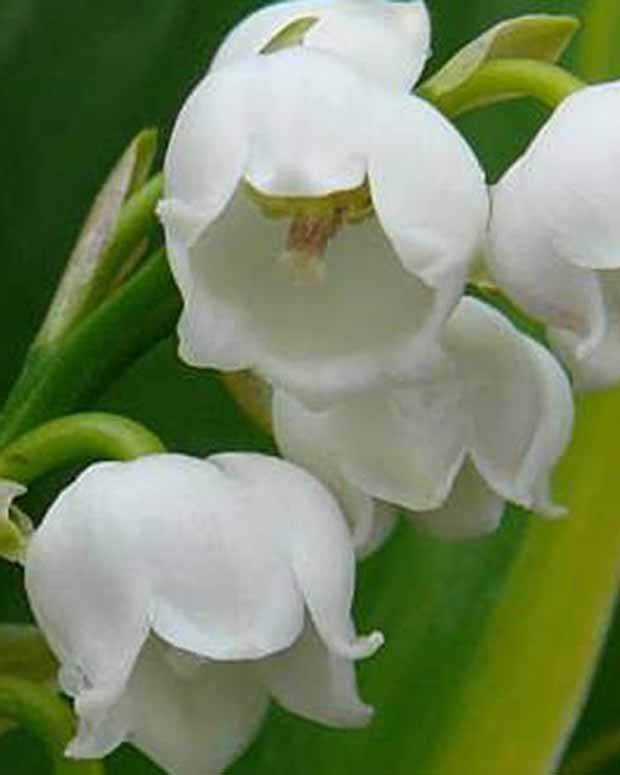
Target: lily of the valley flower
(179, 594)
(555, 232)
(385, 40)
(450, 449)
(318, 225)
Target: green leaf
(544, 638)
(599, 53)
(56, 380)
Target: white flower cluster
(321, 223)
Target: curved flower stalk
(318, 225)
(12, 537)
(179, 594)
(555, 233)
(450, 449)
(387, 41)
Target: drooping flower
(318, 225)
(179, 594)
(389, 41)
(555, 233)
(450, 449)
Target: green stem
(503, 79)
(495, 297)
(41, 711)
(595, 756)
(75, 439)
(58, 379)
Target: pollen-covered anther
(304, 256)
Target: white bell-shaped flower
(318, 225)
(389, 41)
(179, 594)
(450, 449)
(555, 233)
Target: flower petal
(209, 557)
(190, 716)
(198, 181)
(220, 586)
(600, 367)
(555, 219)
(317, 342)
(174, 542)
(87, 596)
(195, 723)
(389, 41)
(472, 509)
(252, 34)
(308, 680)
(428, 190)
(524, 262)
(286, 99)
(403, 447)
(312, 534)
(385, 520)
(303, 438)
(520, 426)
(98, 734)
(572, 163)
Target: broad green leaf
(545, 635)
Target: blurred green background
(77, 80)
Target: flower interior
(314, 221)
